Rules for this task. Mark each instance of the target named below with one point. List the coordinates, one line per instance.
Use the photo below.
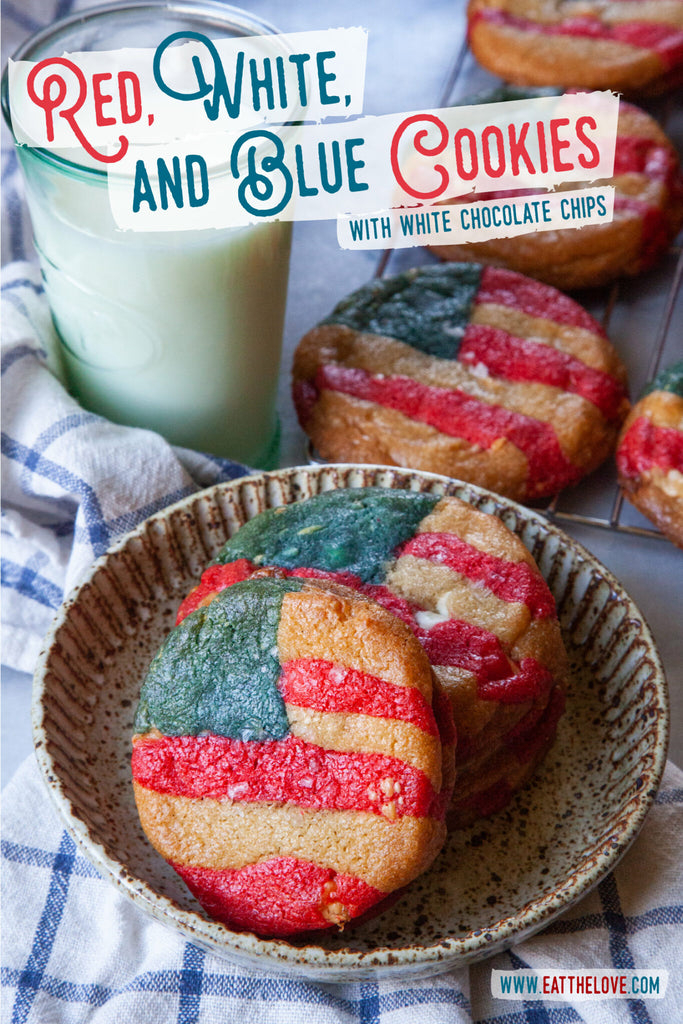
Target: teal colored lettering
(304, 189)
(582, 207)
(353, 165)
(325, 76)
(196, 198)
(370, 227)
(330, 186)
(168, 182)
(256, 186)
(520, 984)
(406, 220)
(172, 183)
(281, 81)
(265, 83)
(298, 60)
(426, 223)
(218, 91)
(142, 189)
(268, 83)
(356, 229)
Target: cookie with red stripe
(650, 453)
(631, 46)
(648, 213)
(470, 371)
(293, 756)
(468, 589)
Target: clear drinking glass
(179, 332)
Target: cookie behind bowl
(648, 213)
(630, 48)
(474, 372)
(650, 453)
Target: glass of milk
(179, 332)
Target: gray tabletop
(413, 50)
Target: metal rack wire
(614, 519)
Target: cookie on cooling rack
(293, 756)
(650, 453)
(627, 46)
(474, 372)
(468, 589)
(648, 213)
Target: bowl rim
(314, 961)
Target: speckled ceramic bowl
(493, 884)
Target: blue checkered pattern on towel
(72, 482)
(76, 951)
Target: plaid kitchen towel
(74, 949)
(72, 481)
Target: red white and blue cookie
(630, 46)
(293, 756)
(650, 453)
(474, 372)
(648, 213)
(467, 588)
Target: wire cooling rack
(613, 512)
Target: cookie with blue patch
(293, 755)
(466, 587)
(471, 371)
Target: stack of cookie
(294, 749)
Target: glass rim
(225, 14)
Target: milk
(177, 332)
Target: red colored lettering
(543, 156)
(518, 150)
(466, 133)
(50, 103)
(558, 144)
(581, 123)
(130, 114)
(424, 150)
(492, 132)
(101, 98)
